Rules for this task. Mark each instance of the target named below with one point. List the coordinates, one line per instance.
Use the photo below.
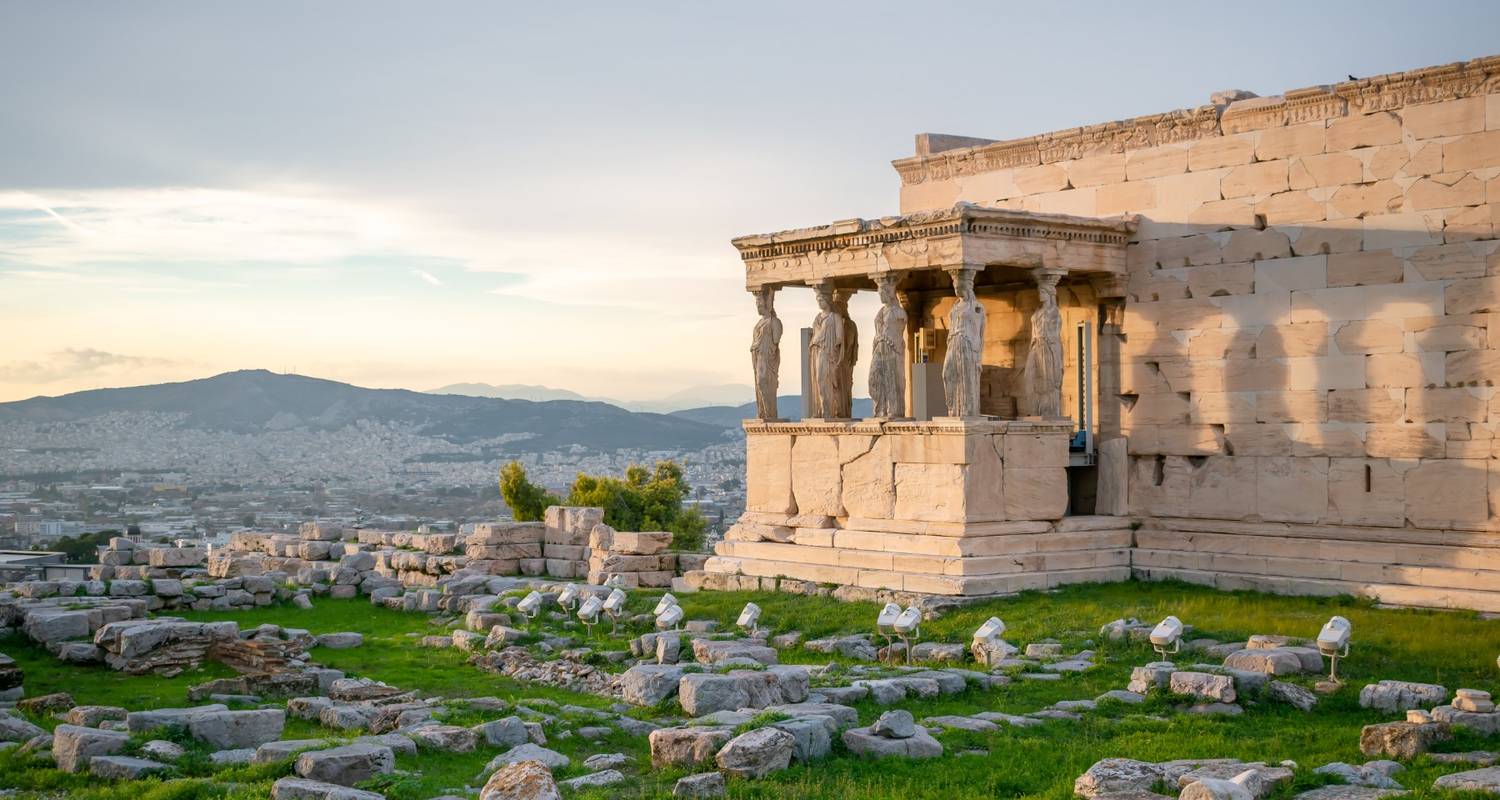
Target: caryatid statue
(825, 355)
(765, 352)
(850, 355)
(888, 354)
(961, 365)
(1044, 364)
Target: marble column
(825, 355)
(962, 363)
(765, 353)
(888, 353)
(1044, 362)
(850, 355)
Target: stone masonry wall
(1310, 340)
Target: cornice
(961, 219)
(1380, 93)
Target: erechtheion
(1248, 344)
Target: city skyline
(397, 199)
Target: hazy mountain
(788, 406)
(726, 394)
(251, 401)
(513, 391)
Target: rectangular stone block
(1447, 118)
(768, 473)
(1036, 494)
(1347, 133)
(1445, 493)
(1366, 491)
(816, 475)
(1292, 489)
(1403, 441)
(1367, 405)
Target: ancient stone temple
(1246, 344)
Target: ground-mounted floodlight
(987, 638)
(667, 620)
(614, 608)
(909, 627)
(1333, 641)
(748, 618)
(1166, 637)
(531, 605)
(569, 597)
(588, 612)
(885, 624)
(666, 602)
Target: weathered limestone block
(816, 476)
(868, 482)
(704, 693)
(1204, 686)
(929, 492)
(1292, 489)
(1442, 493)
(768, 474)
(649, 684)
(640, 543)
(1401, 740)
(685, 747)
(346, 765)
(1395, 696)
(756, 753)
(521, 780)
(74, 746)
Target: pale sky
(416, 194)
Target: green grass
(1453, 648)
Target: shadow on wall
(1320, 374)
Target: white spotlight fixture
(531, 605)
(885, 624)
(569, 597)
(1166, 637)
(987, 642)
(668, 619)
(909, 627)
(666, 602)
(588, 612)
(614, 608)
(1333, 641)
(748, 618)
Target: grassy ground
(1455, 649)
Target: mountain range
(724, 394)
(253, 401)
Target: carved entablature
(1380, 93)
(965, 235)
(939, 425)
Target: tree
(643, 500)
(84, 548)
(527, 501)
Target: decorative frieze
(1380, 93)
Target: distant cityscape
(169, 479)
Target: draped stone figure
(888, 353)
(850, 355)
(765, 353)
(825, 355)
(965, 348)
(1044, 364)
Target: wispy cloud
(182, 239)
(73, 363)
